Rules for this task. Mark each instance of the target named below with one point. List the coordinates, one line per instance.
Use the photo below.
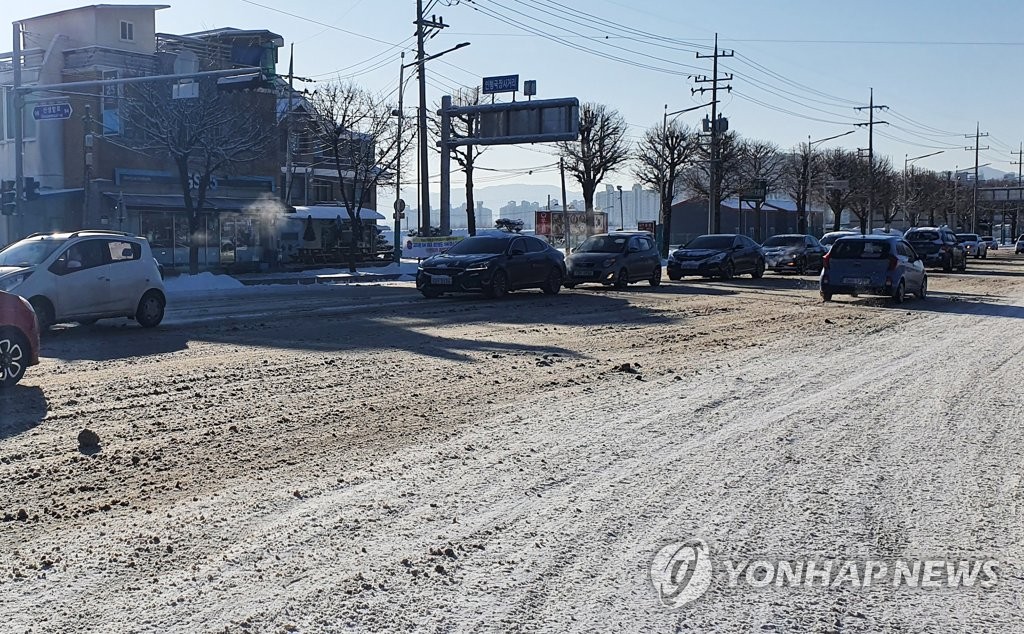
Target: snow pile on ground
(201, 282)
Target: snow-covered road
(356, 459)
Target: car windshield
(718, 243)
(967, 237)
(922, 236)
(988, 238)
(829, 239)
(479, 245)
(859, 249)
(28, 252)
(603, 244)
(784, 241)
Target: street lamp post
(622, 221)
(806, 193)
(907, 162)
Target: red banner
(542, 223)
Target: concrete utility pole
(977, 149)
(399, 205)
(716, 128)
(1020, 181)
(565, 208)
(19, 133)
(871, 107)
(423, 26)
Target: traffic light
(31, 188)
(9, 200)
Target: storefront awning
(171, 202)
(331, 212)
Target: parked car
(990, 242)
(19, 338)
(492, 265)
(876, 265)
(1019, 248)
(618, 258)
(830, 237)
(721, 255)
(793, 252)
(973, 245)
(939, 247)
(85, 276)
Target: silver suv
(85, 276)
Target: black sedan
(795, 253)
(720, 255)
(493, 265)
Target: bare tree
(762, 165)
(887, 190)
(839, 164)
(601, 148)
(464, 126)
(662, 155)
(359, 136)
(211, 134)
(731, 173)
(800, 169)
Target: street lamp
(622, 222)
(663, 243)
(807, 175)
(906, 162)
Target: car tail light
(893, 261)
(825, 260)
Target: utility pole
(716, 127)
(424, 28)
(399, 206)
(565, 208)
(871, 107)
(19, 134)
(1020, 182)
(977, 149)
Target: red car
(19, 338)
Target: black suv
(617, 258)
(938, 247)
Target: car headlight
(11, 282)
(479, 266)
(608, 262)
(716, 258)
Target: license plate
(856, 281)
(441, 280)
(583, 274)
(690, 266)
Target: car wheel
(675, 277)
(963, 265)
(656, 277)
(622, 279)
(947, 264)
(923, 292)
(826, 295)
(758, 271)
(14, 354)
(728, 270)
(431, 293)
(499, 285)
(44, 312)
(900, 294)
(554, 282)
(984, 256)
(151, 310)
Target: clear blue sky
(940, 65)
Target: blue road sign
(47, 111)
(504, 83)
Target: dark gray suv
(938, 247)
(618, 258)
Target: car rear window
(921, 236)
(860, 249)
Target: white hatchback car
(85, 276)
